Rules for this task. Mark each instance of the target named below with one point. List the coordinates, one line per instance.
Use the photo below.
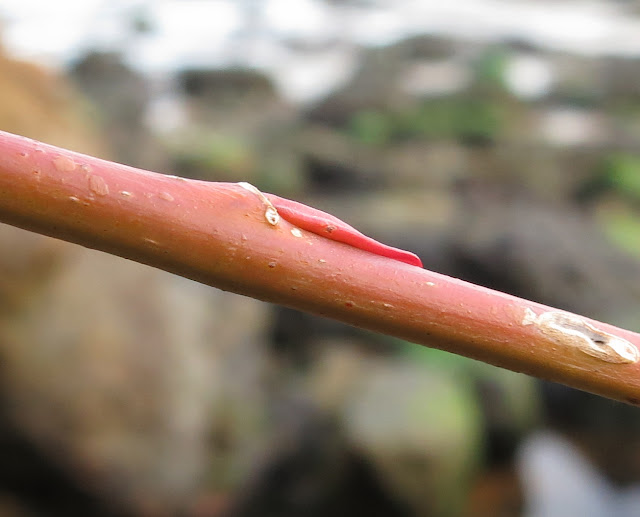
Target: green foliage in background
(621, 219)
(449, 118)
(211, 156)
(622, 226)
(489, 69)
(372, 127)
(622, 172)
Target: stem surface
(219, 234)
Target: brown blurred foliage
(42, 105)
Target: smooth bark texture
(220, 234)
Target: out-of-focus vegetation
(623, 172)
(463, 119)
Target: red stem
(217, 233)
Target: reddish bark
(217, 233)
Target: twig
(227, 236)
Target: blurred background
(499, 140)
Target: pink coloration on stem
(215, 233)
(324, 224)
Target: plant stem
(218, 234)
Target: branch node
(270, 214)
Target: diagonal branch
(226, 235)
